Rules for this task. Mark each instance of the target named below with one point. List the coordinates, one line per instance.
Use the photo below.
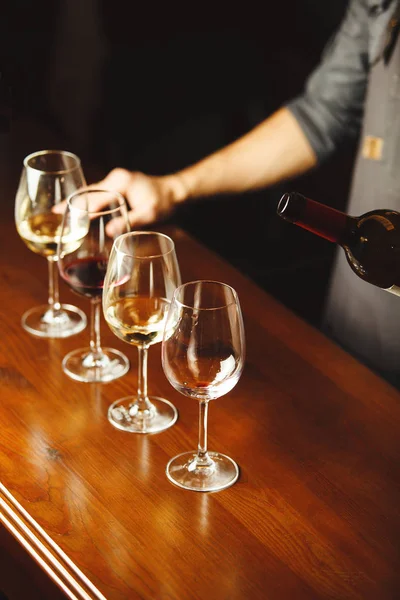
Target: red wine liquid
(86, 275)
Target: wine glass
(203, 353)
(47, 178)
(83, 267)
(142, 275)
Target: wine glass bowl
(47, 178)
(83, 265)
(142, 275)
(203, 353)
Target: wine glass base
(122, 415)
(41, 321)
(183, 472)
(82, 365)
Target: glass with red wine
(92, 211)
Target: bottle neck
(327, 222)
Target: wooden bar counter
(314, 515)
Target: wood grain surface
(314, 515)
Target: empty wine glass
(203, 353)
(47, 178)
(142, 275)
(83, 268)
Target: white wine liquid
(138, 320)
(41, 234)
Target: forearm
(275, 150)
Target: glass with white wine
(47, 178)
(141, 277)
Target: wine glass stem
(54, 300)
(203, 459)
(95, 347)
(142, 399)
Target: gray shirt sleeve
(330, 109)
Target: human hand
(150, 198)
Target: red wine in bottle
(371, 241)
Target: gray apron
(364, 319)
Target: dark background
(155, 87)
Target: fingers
(138, 189)
(96, 202)
(116, 181)
(93, 203)
(136, 218)
(116, 226)
(59, 208)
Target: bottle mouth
(291, 206)
(283, 205)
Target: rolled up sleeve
(330, 109)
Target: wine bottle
(371, 241)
